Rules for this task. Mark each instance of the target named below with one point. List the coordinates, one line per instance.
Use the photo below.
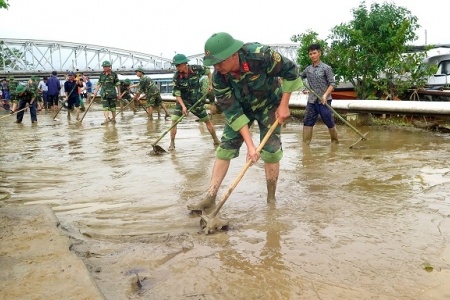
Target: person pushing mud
(187, 89)
(247, 89)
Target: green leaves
(369, 50)
(4, 4)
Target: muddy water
(365, 223)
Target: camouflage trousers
(232, 140)
(198, 111)
(154, 100)
(109, 104)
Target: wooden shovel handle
(245, 168)
(17, 111)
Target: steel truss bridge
(23, 58)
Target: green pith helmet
(20, 89)
(106, 64)
(179, 59)
(127, 81)
(219, 47)
(140, 70)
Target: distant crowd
(47, 91)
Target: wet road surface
(364, 223)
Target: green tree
(4, 4)
(404, 73)
(369, 50)
(11, 58)
(306, 39)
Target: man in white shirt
(43, 88)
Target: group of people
(42, 94)
(251, 83)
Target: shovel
(17, 111)
(363, 136)
(209, 223)
(54, 118)
(123, 108)
(158, 149)
(87, 109)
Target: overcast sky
(169, 26)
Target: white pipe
(299, 100)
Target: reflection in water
(271, 252)
(110, 135)
(348, 223)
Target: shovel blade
(361, 139)
(158, 150)
(211, 224)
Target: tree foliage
(369, 51)
(4, 4)
(306, 39)
(12, 59)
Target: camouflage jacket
(33, 86)
(258, 85)
(188, 87)
(147, 86)
(125, 88)
(28, 95)
(12, 85)
(108, 84)
(204, 82)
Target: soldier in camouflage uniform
(187, 89)
(247, 89)
(33, 85)
(125, 96)
(213, 107)
(12, 86)
(24, 96)
(109, 82)
(152, 94)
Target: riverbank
(35, 258)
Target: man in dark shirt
(72, 96)
(54, 88)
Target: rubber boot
(333, 135)
(172, 145)
(78, 115)
(271, 188)
(207, 204)
(307, 134)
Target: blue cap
(71, 73)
